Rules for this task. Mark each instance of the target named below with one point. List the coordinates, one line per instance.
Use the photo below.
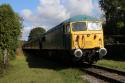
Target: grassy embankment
(115, 58)
(120, 65)
(20, 72)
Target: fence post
(5, 57)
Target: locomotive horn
(78, 53)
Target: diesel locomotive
(79, 38)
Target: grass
(21, 72)
(112, 64)
(71, 75)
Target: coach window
(67, 28)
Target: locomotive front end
(87, 41)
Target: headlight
(102, 52)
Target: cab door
(67, 36)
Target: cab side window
(67, 28)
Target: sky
(49, 13)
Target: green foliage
(120, 24)
(115, 16)
(120, 65)
(35, 33)
(10, 28)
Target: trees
(36, 32)
(10, 28)
(115, 16)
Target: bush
(10, 28)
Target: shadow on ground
(36, 60)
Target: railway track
(107, 74)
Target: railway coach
(79, 38)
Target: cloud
(97, 10)
(52, 12)
(76, 7)
(25, 32)
(27, 13)
(49, 13)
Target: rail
(106, 74)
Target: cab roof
(80, 18)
